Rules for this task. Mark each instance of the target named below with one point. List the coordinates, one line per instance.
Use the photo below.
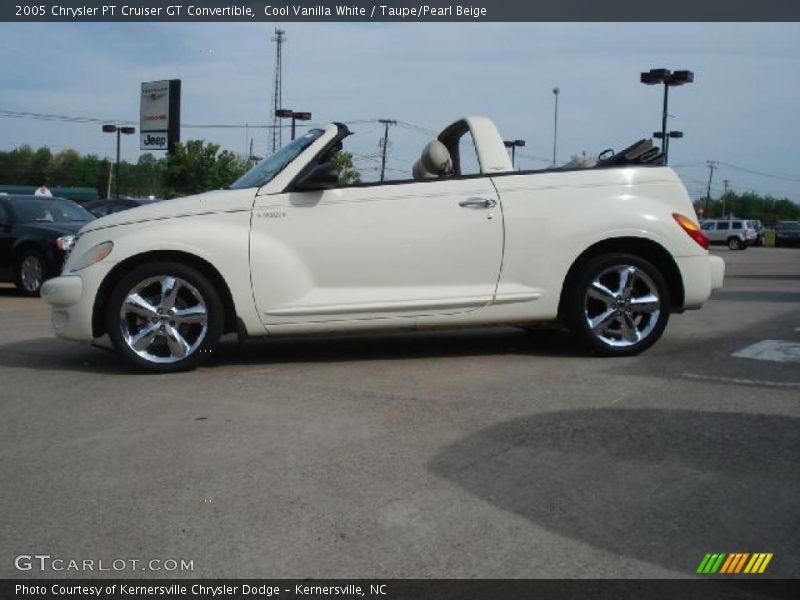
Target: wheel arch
(641, 247)
(118, 272)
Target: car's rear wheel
(164, 317)
(618, 304)
(734, 243)
(29, 272)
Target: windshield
(268, 168)
(788, 227)
(49, 210)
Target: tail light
(691, 228)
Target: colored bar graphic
(734, 563)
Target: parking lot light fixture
(285, 113)
(514, 144)
(672, 135)
(668, 79)
(119, 130)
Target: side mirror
(321, 177)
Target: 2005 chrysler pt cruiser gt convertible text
(610, 251)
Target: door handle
(478, 203)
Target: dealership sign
(160, 114)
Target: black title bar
(730, 588)
(401, 11)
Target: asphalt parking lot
(491, 453)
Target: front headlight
(65, 243)
(92, 256)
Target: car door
(364, 252)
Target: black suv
(36, 232)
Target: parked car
(36, 232)
(611, 251)
(737, 234)
(787, 233)
(101, 208)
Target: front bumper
(72, 300)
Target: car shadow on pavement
(55, 354)
(388, 346)
(660, 486)
(50, 353)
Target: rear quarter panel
(551, 218)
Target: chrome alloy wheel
(31, 274)
(163, 319)
(622, 306)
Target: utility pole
(385, 143)
(712, 164)
(277, 100)
(556, 92)
(725, 182)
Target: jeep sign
(159, 121)
(153, 140)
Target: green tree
(196, 167)
(347, 171)
(63, 168)
(39, 167)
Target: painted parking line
(773, 350)
(741, 381)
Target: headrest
(436, 159)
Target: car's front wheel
(618, 304)
(164, 317)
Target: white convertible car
(610, 251)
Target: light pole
(556, 92)
(285, 113)
(514, 144)
(118, 130)
(669, 79)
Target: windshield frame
(271, 166)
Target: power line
(761, 173)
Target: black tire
(198, 285)
(734, 243)
(28, 259)
(579, 306)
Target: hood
(54, 229)
(199, 204)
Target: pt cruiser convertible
(610, 251)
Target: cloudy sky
(743, 109)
